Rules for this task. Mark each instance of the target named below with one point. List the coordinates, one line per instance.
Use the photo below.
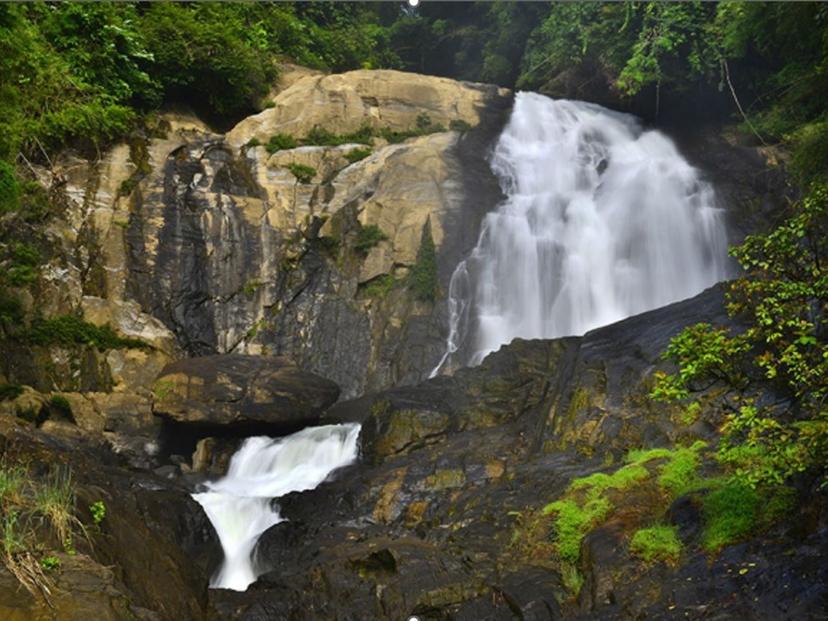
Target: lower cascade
(240, 506)
(601, 221)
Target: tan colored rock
(289, 74)
(345, 102)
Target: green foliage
(573, 521)
(278, 142)
(68, 330)
(657, 543)
(55, 500)
(380, 286)
(10, 392)
(50, 563)
(9, 188)
(459, 125)
(61, 404)
(250, 287)
(303, 174)
(369, 236)
(423, 275)
(98, 511)
(11, 311)
(320, 136)
(783, 298)
(358, 154)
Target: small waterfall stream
(601, 221)
(240, 506)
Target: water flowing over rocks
(266, 302)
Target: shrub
(10, 392)
(98, 511)
(459, 125)
(322, 137)
(61, 405)
(303, 174)
(68, 330)
(423, 275)
(279, 142)
(356, 155)
(21, 275)
(657, 543)
(380, 286)
(11, 310)
(9, 188)
(369, 236)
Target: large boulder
(238, 390)
(380, 99)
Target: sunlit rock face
(204, 243)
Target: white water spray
(601, 221)
(240, 504)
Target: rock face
(235, 390)
(234, 253)
(443, 519)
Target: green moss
(279, 142)
(253, 142)
(303, 174)
(573, 521)
(358, 154)
(163, 389)
(369, 236)
(734, 510)
(657, 543)
(68, 330)
(423, 275)
(623, 478)
(250, 287)
(730, 514)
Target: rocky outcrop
(443, 518)
(147, 557)
(232, 390)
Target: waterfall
(240, 504)
(601, 221)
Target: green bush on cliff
(423, 275)
(355, 155)
(278, 142)
(9, 187)
(368, 237)
(68, 330)
(783, 299)
(303, 174)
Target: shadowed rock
(240, 390)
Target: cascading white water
(601, 221)
(239, 505)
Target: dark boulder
(237, 390)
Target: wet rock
(241, 390)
